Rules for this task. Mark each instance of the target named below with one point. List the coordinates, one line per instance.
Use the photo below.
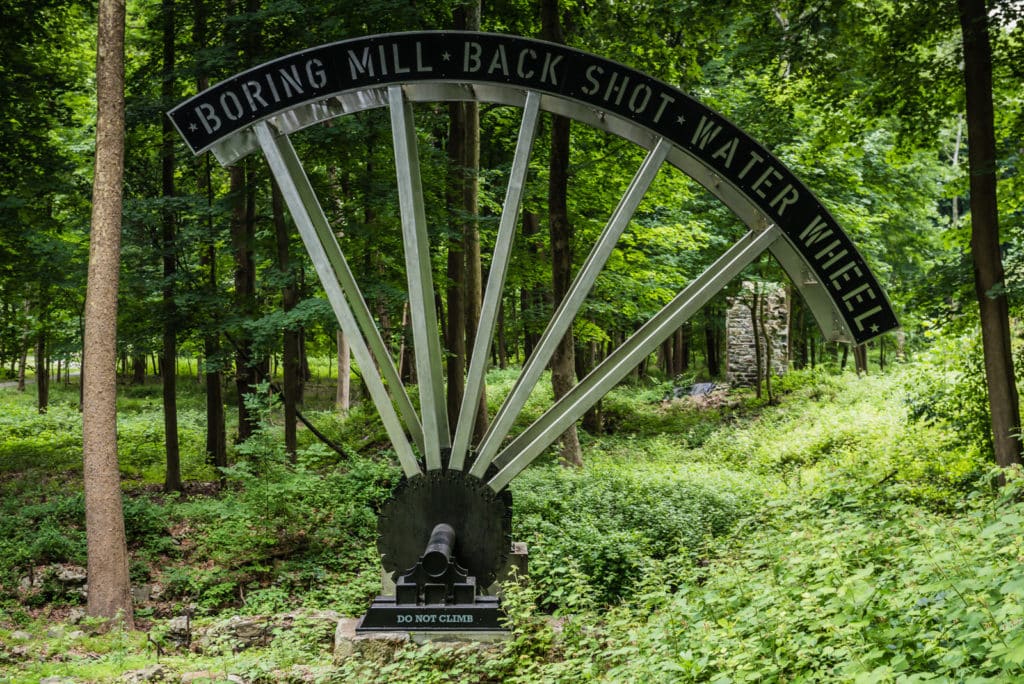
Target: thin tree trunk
(989, 282)
(22, 368)
(216, 430)
(769, 348)
(109, 586)
(404, 344)
(42, 372)
(711, 355)
(289, 299)
(530, 300)
(755, 328)
(169, 354)
(955, 163)
(343, 398)
(502, 342)
(245, 295)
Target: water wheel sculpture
(444, 535)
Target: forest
(201, 443)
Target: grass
(828, 538)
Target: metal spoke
(570, 305)
(331, 267)
(423, 316)
(545, 430)
(495, 282)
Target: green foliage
(947, 386)
(275, 509)
(51, 440)
(829, 585)
(605, 523)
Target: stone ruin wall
(741, 362)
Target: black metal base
(384, 615)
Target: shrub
(611, 520)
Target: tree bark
(989, 285)
(169, 353)
(109, 586)
(711, 355)
(769, 347)
(22, 366)
(343, 398)
(563, 366)
(474, 293)
(216, 431)
(245, 294)
(756, 330)
(530, 299)
(289, 299)
(455, 330)
(42, 370)
(502, 343)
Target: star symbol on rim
(874, 328)
(446, 56)
(193, 128)
(680, 119)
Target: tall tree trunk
(107, 551)
(455, 328)
(343, 398)
(249, 369)
(563, 376)
(289, 298)
(988, 264)
(474, 293)
(216, 431)
(245, 295)
(169, 354)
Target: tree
(169, 351)
(109, 587)
(989, 284)
(289, 299)
(563, 364)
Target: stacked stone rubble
(741, 361)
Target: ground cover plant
(833, 537)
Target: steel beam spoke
(423, 316)
(331, 267)
(495, 282)
(570, 305)
(545, 430)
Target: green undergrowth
(831, 537)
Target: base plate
(384, 615)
